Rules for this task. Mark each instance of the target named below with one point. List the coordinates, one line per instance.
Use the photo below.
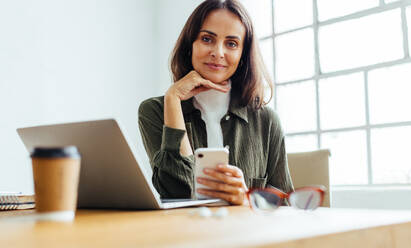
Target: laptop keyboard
(177, 200)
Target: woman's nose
(217, 51)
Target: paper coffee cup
(56, 172)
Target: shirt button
(227, 117)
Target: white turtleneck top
(213, 105)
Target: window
(342, 74)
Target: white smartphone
(207, 158)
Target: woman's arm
(173, 118)
(187, 87)
(277, 166)
(165, 140)
(172, 174)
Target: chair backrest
(310, 168)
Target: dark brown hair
(247, 80)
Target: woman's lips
(216, 67)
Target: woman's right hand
(185, 88)
(192, 84)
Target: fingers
(227, 182)
(223, 177)
(233, 199)
(195, 75)
(219, 186)
(193, 83)
(200, 81)
(226, 82)
(208, 84)
(198, 90)
(229, 169)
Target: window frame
(364, 70)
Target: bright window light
(359, 42)
(328, 9)
(292, 14)
(348, 160)
(261, 14)
(391, 155)
(266, 47)
(343, 82)
(296, 106)
(301, 143)
(342, 101)
(390, 94)
(409, 25)
(295, 55)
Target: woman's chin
(216, 80)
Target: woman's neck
(212, 101)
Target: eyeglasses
(307, 198)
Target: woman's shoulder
(271, 119)
(267, 114)
(150, 105)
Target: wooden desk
(241, 228)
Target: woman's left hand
(228, 184)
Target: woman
(216, 100)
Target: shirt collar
(235, 108)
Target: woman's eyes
(206, 39)
(230, 44)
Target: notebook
(111, 174)
(12, 201)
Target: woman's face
(219, 45)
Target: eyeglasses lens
(305, 199)
(263, 200)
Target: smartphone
(207, 158)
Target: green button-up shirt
(254, 137)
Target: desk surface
(285, 227)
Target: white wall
(170, 20)
(70, 61)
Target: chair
(310, 168)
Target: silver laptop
(111, 175)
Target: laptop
(111, 175)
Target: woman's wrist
(173, 116)
(171, 95)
